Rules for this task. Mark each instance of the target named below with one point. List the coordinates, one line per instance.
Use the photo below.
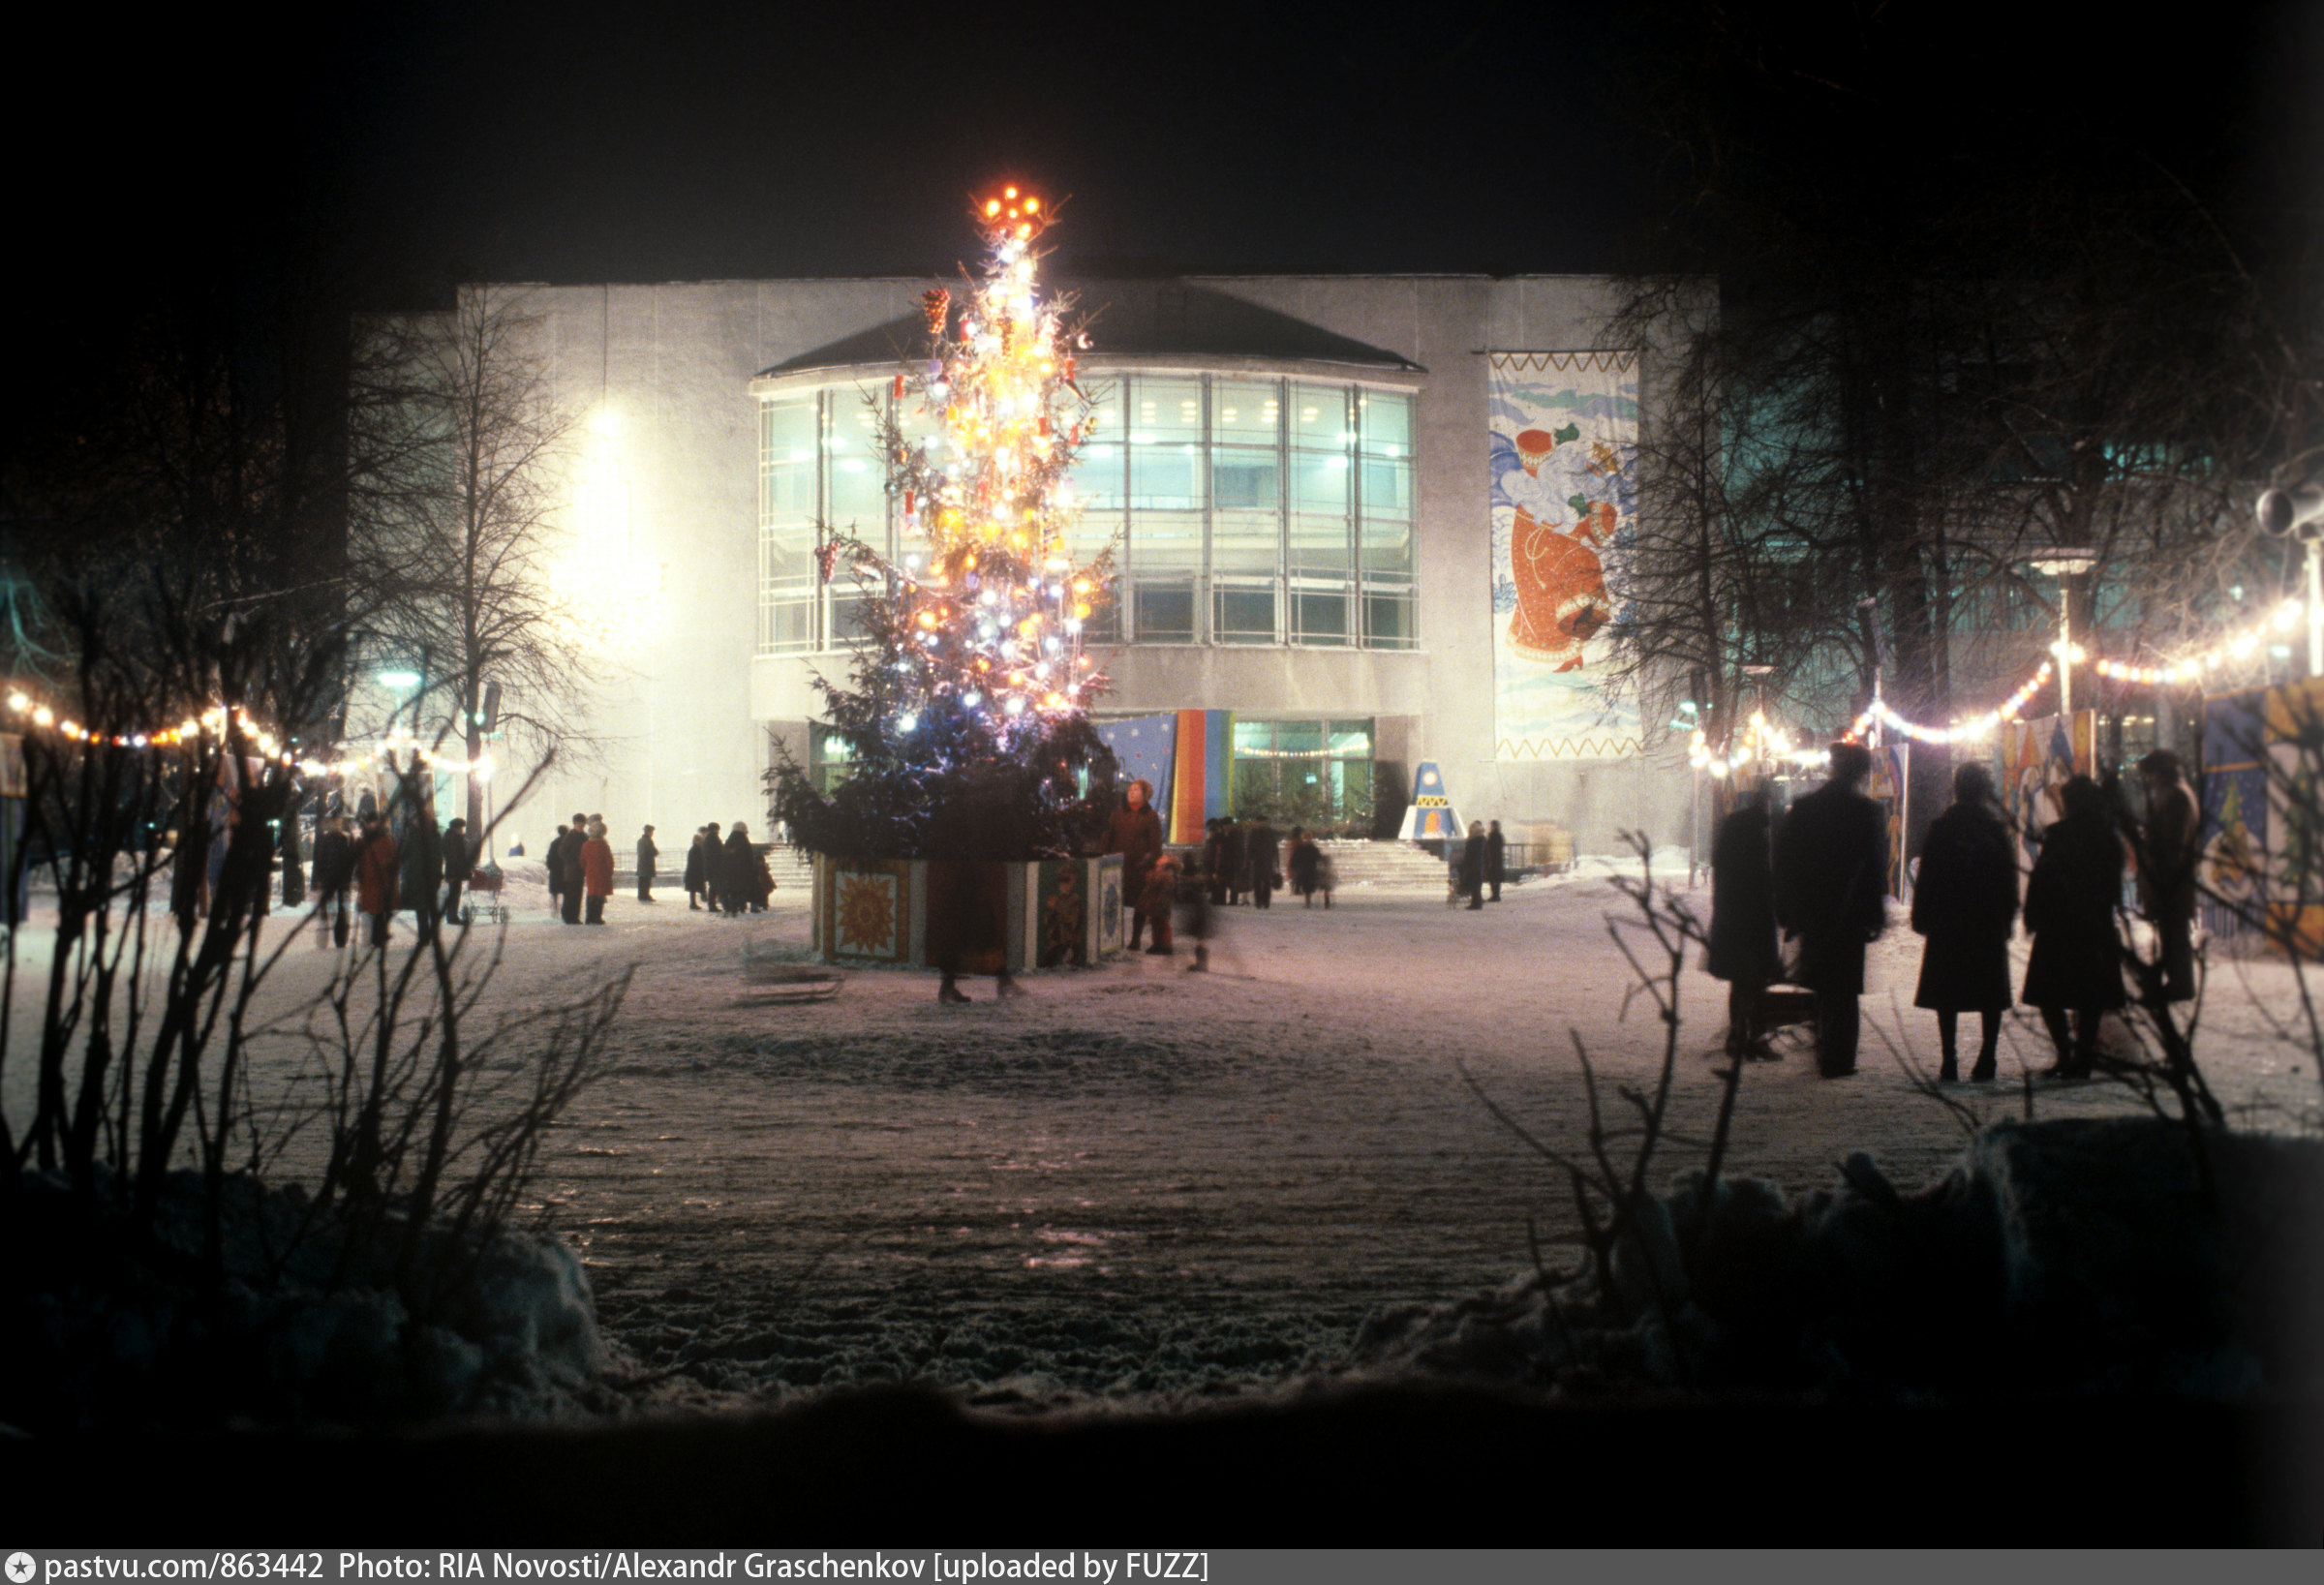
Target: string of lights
(2243, 646)
(26, 710)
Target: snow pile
(2058, 1257)
(106, 1329)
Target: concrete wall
(684, 707)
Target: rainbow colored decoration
(1430, 815)
(1201, 779)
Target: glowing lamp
(44, 716)
(18, 702)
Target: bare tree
(1924, 371)
(456, 518)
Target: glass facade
(1240, 511)
(1310, 773)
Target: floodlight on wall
(399, 682)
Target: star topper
(1013, 212)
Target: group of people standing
(1247, 860)
(427, 874)
(1818, 876)
(1481, 863)
(580, 865)
(731, 877)
(1239, 859)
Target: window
(858, 474)
(830, 757)
(1312, 773)
(788, 510)
(1240, 511)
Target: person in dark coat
(1496, 849)
(980, 832)
(1965, 903)
(375, 870)
(2169, 845)
(1471, 865)
(422, 881)
(459, 858)
(1235, 851)
(1301, 855)
(757, 882)
(1743, 948)
(1831, 870)
(575, 838)
(647, 853)
(294, 874)
(693, 875)
(2076, 965)
(1259, 850)
(1135, 832)
(554, 858)
(334, 873)
(736, 881)
(1215, 859)
(714, 865)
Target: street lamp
(2062, 565)
(2283, 513)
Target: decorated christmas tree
(965, 717)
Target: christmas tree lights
(997, 604)
(971, 655)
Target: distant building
(1376, 518)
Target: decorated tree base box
(981, 917)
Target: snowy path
(1139, 1179)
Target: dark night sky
(408, 146)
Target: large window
(1316, 774)
(1240, 511)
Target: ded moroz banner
(1563, 444)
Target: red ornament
(911, 498)
(899, 387)
(1041, 423)
(1069, 371)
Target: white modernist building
(1375, 518)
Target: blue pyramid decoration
(1431, 814)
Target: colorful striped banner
(1200, 780)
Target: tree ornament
(936, 302)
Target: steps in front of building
(787, 865)
(1382, 863)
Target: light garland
(1762, 741)
(1971, 730)
(2243, 646)
(211, 725)
(211, 722)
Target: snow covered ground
(1137, 1180)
